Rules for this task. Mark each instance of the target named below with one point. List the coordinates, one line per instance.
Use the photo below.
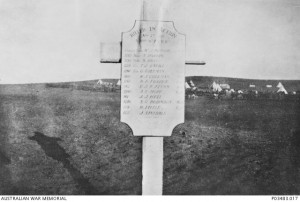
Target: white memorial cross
(152, 56)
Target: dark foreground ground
(63, 141)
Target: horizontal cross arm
(110, 60)
(194, 62)
(111, 53)
(118, 60)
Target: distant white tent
(269, 86)
(100, 82)
(279, 85)
(281, 88)
(252, 86)
(187, 86)
(216, 87)
(191, 83)
(119, 82)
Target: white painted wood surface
(152, 165)
(153, 151)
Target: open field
(239, 83)
(67, 141)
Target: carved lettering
(152, 78)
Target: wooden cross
(139, 50)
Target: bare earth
(64, 141)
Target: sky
(59, 40)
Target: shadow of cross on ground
(52, 149)
(4, 160)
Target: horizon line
(27, 83)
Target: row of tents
(216, 87)
(104, 82)
(189, 85)
(107, 85)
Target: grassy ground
(63, 141)
(235, 147)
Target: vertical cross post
(152, 165)
(153, 147)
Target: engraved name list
(153, 59)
